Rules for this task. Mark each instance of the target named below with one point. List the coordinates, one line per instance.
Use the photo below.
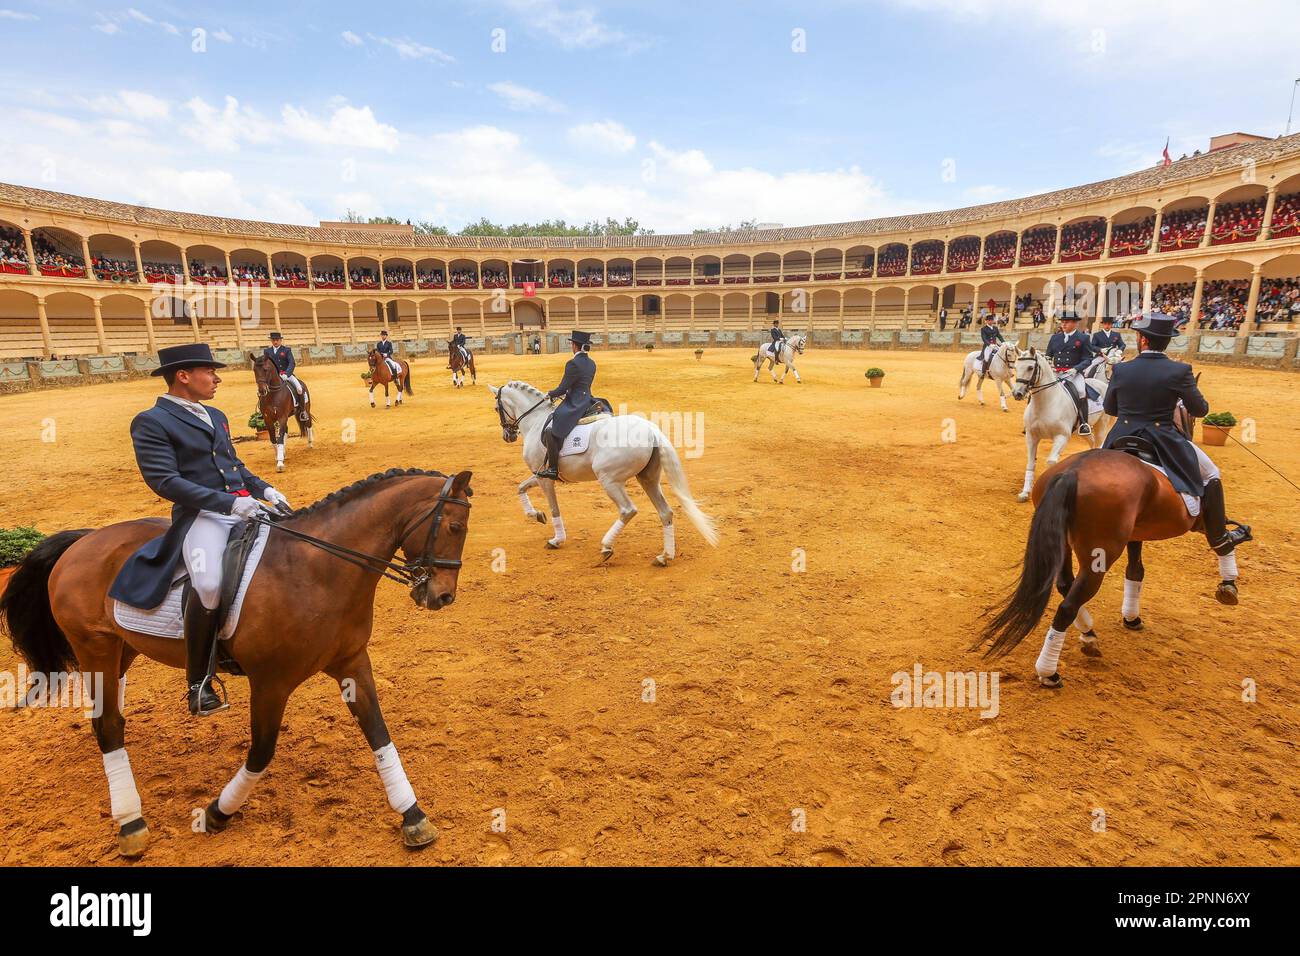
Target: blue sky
(681, 115)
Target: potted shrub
(258, 424)
(1215, 428)
(875, 377)
(649, 346)
(14, 545)
(699, 354)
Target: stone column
(419, 321)
(383, 283)
(347, 281)
(85, 258)
(604, 305)
(1155, 232)
(99, 327)
(1056, 253)
(188, 305)
(47, 343)
(148, 328)
(1105, 243)
(842, 314)
(1194, 323)
(1147, 290)
(139, 263)
(1209, 224)
(482, 321)
(230, 271)
(270, 271)
(31, 263)
(907, 298)
(275, 316)
(873, 311)
(352, 323)
(315, 325)
(311, 279)
(185, 267)
(1266, 225)
(1251, 322)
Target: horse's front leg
(548, 489)
(104, 667)
(1031, 463)
(1058, 444)
(358, 685)
(527, 502)
(281, 433)
(1002, 396)
(795, 369)
(266, 708)
(626, 512)
(373, 383)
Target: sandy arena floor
(772, 687)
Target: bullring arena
(863, 532)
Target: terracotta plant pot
(876, 382)
(1214, 434)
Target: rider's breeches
(294, 384)
(393, 367)
(205, 546)
(1209, 470)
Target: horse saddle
(1137, 446)
(239, 563)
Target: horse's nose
(445, 598)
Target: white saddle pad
(166, 619)
(578, 440)
(1193, 503)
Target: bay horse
(1093, 506)
(791, 346)
(1002, 364)
(275, 402)
(457, 363)
(381, 374)
(1050, 414)
(619, 447)
(57, 611)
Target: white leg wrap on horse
(1051, 653)
(670, 540)
(558, 523)
(1132, 606)
(528, 505)
(123, 798)
(236, 792)
(1029, 479)
(612, 533)
(401, 797)
(1083, 620)
(279, 454)
(1228, 566)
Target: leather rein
(410, 573)
(511, 426)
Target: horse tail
(409, 390)
(1044, 552)
(25, 607)
(677, 481)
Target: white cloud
(607, 136)
(409, 49)
(522, 99)
(227, 128)
(575, 27)
(107, 27)
(17, 15)
(346, 126)
(351, 39)
(133, 104)
(221, 34)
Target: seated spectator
(1038, 247)
(1133, 238)
(1182, 229)
(1286, 216)
(1000, 251)
(1082, 240)
(963, 254)
(1237, 222)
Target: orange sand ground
(773, 687)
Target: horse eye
(457, 527)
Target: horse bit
(511, 427)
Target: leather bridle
(1031, 384)
(410, 573)
(510, 425)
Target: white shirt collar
(198, 410)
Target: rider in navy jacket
(1143, 395)
(575, 388)
(990, 335)
(1072, 353)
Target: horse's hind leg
(1064, 580)
(626, 512)
(1082, 590)
(266, 707)
(548, 489)
(649, 480)
(358, 685)
(1134, 572)
(103, 663)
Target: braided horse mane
(348, 492)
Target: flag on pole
(530, 289)
(1166, 161)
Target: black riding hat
(174, 358)
(276, 335)
(580, 338)
(1156, 325)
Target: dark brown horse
(275, 402)
(1097, 505)
(458, 363)
(381, 374)
(58, 613)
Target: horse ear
(492, 389)
(461, 484)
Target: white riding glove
(245, 507)
(277, 500)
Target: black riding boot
(552, 468)
(1081, 403)
(200, 634)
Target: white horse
(1002, 365)
(619, 447)
(1108, 359)
(789, 347)
(1051, 413)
